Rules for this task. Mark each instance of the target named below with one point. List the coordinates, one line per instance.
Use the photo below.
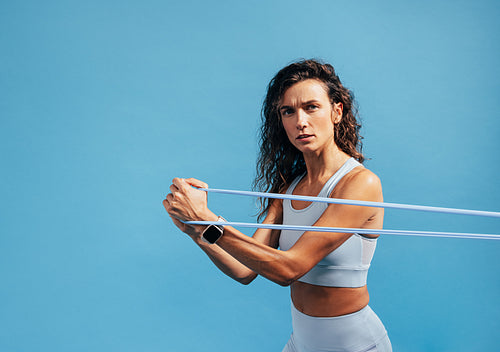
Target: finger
(196, 183)
(166, 204)
(178, 182)
(176, 221)
(174, 215)
(169, 198)
(174, 188)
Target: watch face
(212, 233)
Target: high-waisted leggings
(361, 331)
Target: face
(308, 116)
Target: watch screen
(212, 234)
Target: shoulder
(359, 183)
(362, 176)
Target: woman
(310, 145)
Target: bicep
(274, 216)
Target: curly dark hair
(279, 162)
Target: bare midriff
(322, 301)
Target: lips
(304, 136)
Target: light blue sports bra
(346, 266)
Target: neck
(322, 165)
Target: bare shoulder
(362, 176)
(360, 183)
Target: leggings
(361, 331)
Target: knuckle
(179, 197)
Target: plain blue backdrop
(102, 103)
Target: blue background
(102, 103)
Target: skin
(308, 118)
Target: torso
(324, 301)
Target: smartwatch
(213, 232)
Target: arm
(284, 267)
(223, 260)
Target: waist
(322, 301)
(336, 276)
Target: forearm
(273, 264)
(187, 203)
(226, 262)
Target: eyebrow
(304, 103)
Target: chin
(306, 149)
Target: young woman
(310, 145)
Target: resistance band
(353, 230)
(356, 202)
(349, 230)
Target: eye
(286, 111)
(312, 107)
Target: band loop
(353, 230)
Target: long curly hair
(279, 162)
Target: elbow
(246, 280)
(287, 279)
(285, 283)
(287, 274)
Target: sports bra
(346, 266)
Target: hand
(188, 204)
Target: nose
(301, 119)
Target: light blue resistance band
(481, 236)
(356, 202)
(353, 230)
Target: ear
(337, 109)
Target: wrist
(214, 232)
(199, 229)
(209, 216)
